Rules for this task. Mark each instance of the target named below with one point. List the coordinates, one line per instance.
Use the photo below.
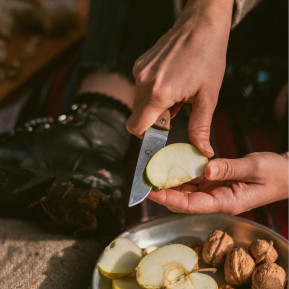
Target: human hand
(231, 186)
(187, 64)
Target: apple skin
(128, 282)
(210, 282)
(119, 258)
(114, 275)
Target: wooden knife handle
(164, 121)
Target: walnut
(269, 276)
(198, 248)
(239, 266)
(216, 246)
(263, 251)
(225, 287)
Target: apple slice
(203, 281)
(193, 281)
(125, 283)
(175, 164)
(183, 282)
(119, 258)
(165, 265)
(148, 249)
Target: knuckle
(258, 166)
(257, 163)
(157, 89)
(227, 170)
(144, 81)
(137, 68)
(160, 91)
(203, 132)
(135, 71)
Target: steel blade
(153, 141)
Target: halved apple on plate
(119, 258)
(172, 266)
(128, 282)
(175, 164)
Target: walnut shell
(198, 248)
(269, 276)
(263, 251)
(239, 266)
(216, 246)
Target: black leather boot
(72, 167)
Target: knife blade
(154, 139)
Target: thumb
(230, 169)
(200, 125)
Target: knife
(154, 139)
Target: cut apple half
(165, 265)
(175, 164)
(119, 258)
(184, 282)
(203, 281)
(128, 282)
(173, 272)
(149, 249)
(194, 281)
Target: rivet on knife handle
(164, 121)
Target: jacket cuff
(240, 10)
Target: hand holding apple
(231, 186)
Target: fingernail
(213, 173)
(208, 148)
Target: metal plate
(184, 228)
